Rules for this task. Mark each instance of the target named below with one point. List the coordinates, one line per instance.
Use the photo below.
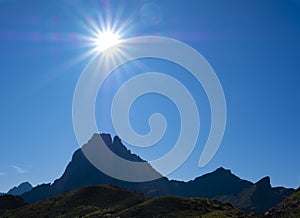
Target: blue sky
(253, 47)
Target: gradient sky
(253, 47)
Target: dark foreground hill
(8, 202)
(220, 184)
(111, 201)
(168, 206)
(290, 208)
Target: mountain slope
(257, 197)
(217, 183)
(82, 201)
(181, 207)
(112, 201)
(21, 189)
(220, 184)
(290, 208)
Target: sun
(106, 39)
(104, 35)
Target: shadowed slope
(290, 208)
(85, 200)
(112, 201)
(11, 202)
(257, 197)
(182, 207)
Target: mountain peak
(21, 189)
(117, 139)
(264, 182)
(106, 137)
(223, 170)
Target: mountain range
(220, 185)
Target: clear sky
(253, 47)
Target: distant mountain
(21, 189)
(288, 208)
(2, 194)
(112, 201)
(257, 197)
(220, 184)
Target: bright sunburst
(106, 40)
(103, 34)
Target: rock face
(220, 184)
(21, 189)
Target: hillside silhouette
(8, 202)
(220, 185)
(112, 201)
